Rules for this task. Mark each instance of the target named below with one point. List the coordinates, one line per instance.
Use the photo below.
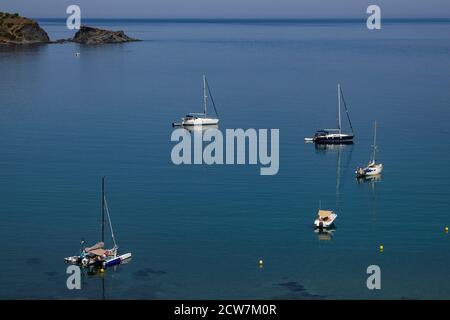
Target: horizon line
(254, 19)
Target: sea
(200, 231)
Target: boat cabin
(193, 116)
(321, 133)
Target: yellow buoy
(261, 263)
(102, 270)
(446, 229)
(381, 248)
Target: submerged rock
(293, 286)
(16, 30)
(297, 291)
(90, 35)
(147, 271)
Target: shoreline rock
(17, 30)
(95, 36)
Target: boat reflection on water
(330, 147)
(371, 183)
(369, 179)
(342, 168)
(338, 149)
(96, 272)
(325, 234)
(93, 273)
(200, 128)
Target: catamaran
(97, 255)
(373, 168)
(334, 136)
(202, 118)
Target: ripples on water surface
(199, 231)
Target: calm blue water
(199, 231)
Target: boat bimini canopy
(98, 252)
(98, 245)
(325, 214)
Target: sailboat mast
(374, 142)
(339, 108)
(204, 94)
(103, 209)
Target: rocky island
(89, 35)
(17, 30)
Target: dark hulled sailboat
(335, 136)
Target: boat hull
(369, 171)
(199, 122)
(83, 262)
(73, 260)
(334, 139)
(321, 224)
(116, 260)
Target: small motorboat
(97, 255)
(200, 119)
(373, 168)
(325, 219)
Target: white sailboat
(202, 118)
(334, 136)
(97, 255)
(373, 168)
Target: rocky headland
(17, 30)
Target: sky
(229, 8)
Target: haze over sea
(199, 231)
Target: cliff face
(89, 35)
(15, 29)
